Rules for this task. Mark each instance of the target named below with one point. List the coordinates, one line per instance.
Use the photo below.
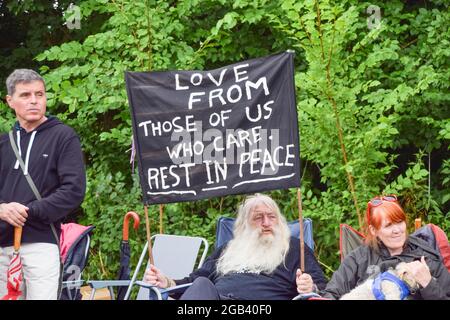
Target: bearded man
(261, 262)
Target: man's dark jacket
(279, 285)
(56, 167)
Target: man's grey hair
(21, 75)
(251, 202)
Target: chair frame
(98, 284)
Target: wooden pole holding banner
(147, 228)
(300, 212)
(161, 212)
(147, 223)
(300, 221)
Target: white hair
(249, 251)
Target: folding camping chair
(349, 239)
(437, 239)
(224, 231)
(75, 240)
(175, 256)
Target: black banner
(202, 134)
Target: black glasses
(375, 202)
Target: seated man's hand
(304, 282)
(155, 277)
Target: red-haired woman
(388, 244)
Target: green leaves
(226, 23)
(389, 86)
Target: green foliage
(388, 87)
(108, 199)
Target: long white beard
(254, 252)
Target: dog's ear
(404, 275)
(402, 271)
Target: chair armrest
(309, 296)
(109, 284)
(71, 284)
(163, 293)
(98, 284)
(177, 289)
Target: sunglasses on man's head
(375, 202)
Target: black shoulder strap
(29, 179)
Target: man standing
(52, 156)
(260, 263)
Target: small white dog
(387, 287)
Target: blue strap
(376, 286)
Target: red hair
(391, 210)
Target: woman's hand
(420, 272)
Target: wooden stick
(417, 223)
(161, 212)
(147, 227)
(300, 221)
